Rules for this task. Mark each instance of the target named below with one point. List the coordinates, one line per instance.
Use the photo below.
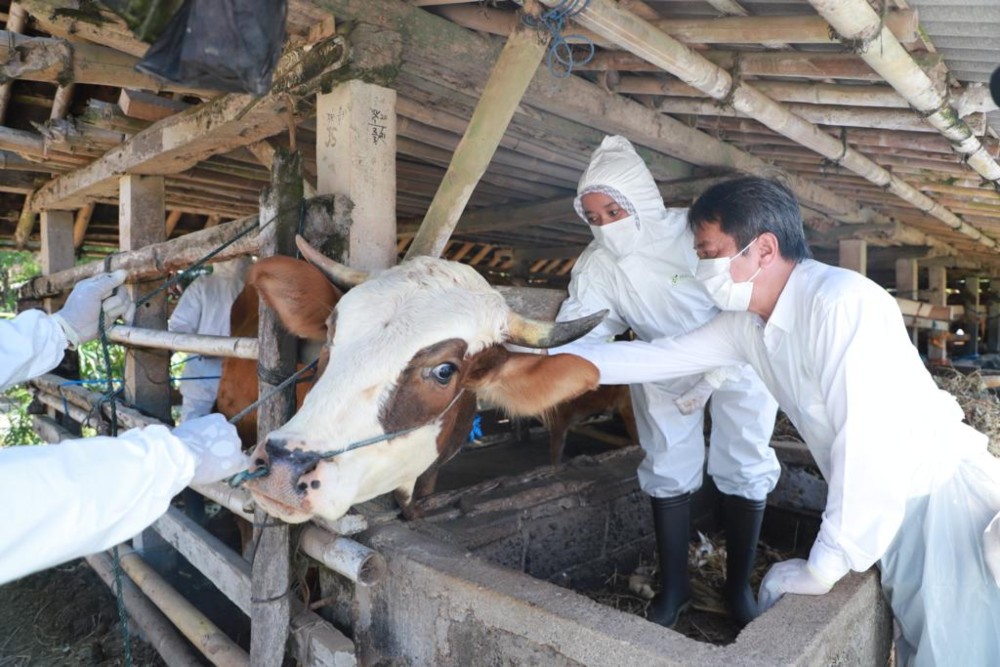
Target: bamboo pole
(81, 222)
(782, 91)
(855, 19)
(345, 557)
(644, 40)
(17, 18)
(156, 628)
(199, 630)
(503, 91)
(213, 346)
(26, 221)
(154, 260)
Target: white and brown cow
(407, 351)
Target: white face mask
(619, 237)
(716, 276)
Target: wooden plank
(226, 569)
(179, 142)
(49, 430)
(147, 106)
(356, 157)
(95, 24)
(509, 79)
(270, 613)
(854, 255)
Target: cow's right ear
(298, 291)
(530, 384)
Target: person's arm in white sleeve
(31, 344)
(83, 496)
(187, 315)
(589, 292)
(634, 362)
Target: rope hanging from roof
(560, 58)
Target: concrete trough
(476, 583)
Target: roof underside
(52, 132)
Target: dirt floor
(65, 616)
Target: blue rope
(560, 50)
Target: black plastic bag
(226, 45)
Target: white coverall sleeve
(867, 479)
(187, 314)
(589, 293)
(83, 496)
(31, 344)
(635, 362)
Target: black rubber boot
(742, 523)
(672, 522)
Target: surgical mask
(619, 237)
(717, 277)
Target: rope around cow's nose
(262, 471)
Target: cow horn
(538, 334)
(342, 276)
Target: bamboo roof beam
(16, 20)
(764, 30)
(182, 141)
(55, 60)
(855, 20)
(782, 91)
(520, 58)
(847, 66)
(645, 40)
(820, 114)
(81, 222)
(104, 28)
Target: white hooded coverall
(910, 485)
(649, 286)
(83, 496)
(204, 309)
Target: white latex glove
(991, 548)
(695, 398)
(790, 576)
(215, 444)
(79, 316)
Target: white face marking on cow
(380, 326)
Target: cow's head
(406, 352)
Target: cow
(406, 351)
(606, 398)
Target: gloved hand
(790, 576)
(215, 445)
(79, 316)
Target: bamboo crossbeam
(820, 114)
(155, 627)
(346, 557)
(651, 44)
(782, 91)
(503, 91)
(212, 346)
(152, 261)
(82, 402)
(194, 625)
(855, 19)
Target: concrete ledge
(440, 605)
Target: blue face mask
(717, 277)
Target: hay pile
(980, 405)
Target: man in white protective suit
(911, 487)
(204, 309)
(640, 267)
(86, 495)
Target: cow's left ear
(298, 292)
(529, 384)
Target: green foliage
(15, 422)
(15, 267)
(92, 363)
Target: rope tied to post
(560, 51)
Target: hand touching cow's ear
(298, 291)
(529, 384)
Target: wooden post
(356, 156)
(907, 284)
(503, 91)
(57, 255)
(937, 350)
(854, 255)
(81, 223)
(147, 372)
(270, 613)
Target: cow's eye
(444, 372)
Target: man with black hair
(911, 487)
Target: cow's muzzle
(286, 465)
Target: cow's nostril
(293, 462)
(259, 462)
(303, 486)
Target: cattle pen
(458, 129)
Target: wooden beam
(170, 224)
(81, 222)
(181, 141)
(356, 157)
(502, 93)
(147, 106)
(783, 91)
(54, 60)
(100, 27)
(16, 20)
(26, 221)
(62, 101)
